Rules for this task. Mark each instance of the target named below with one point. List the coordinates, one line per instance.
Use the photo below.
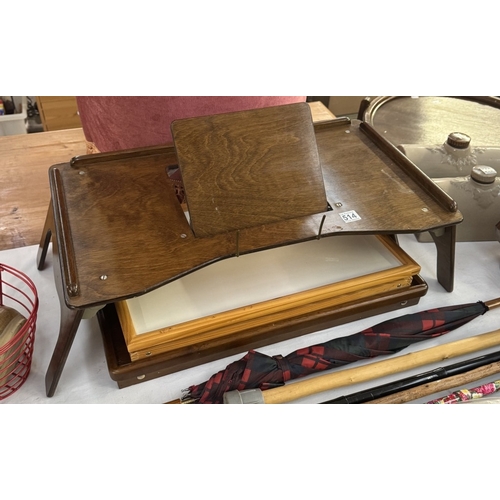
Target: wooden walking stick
(328, 381)
(417, 381)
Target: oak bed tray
(118, 230)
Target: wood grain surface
(24, 181)
(128, 205)
(249, 168)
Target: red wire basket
(18, 292)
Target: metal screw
(183, 235)
(104, 277)
(148, 353)
(140, 377)
(347, 131)
(81, 172)
(425, 209)
(338, 204)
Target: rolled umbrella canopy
(259, 371)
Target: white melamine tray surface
(257, 277)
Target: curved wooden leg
(70, 318)
(445, 244)
(45, 238)
(70, 321)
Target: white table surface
(86, 379)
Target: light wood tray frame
(258, 315)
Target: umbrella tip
(491, 304)
(248, 397)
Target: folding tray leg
(70, 318)
(445, 240)
(45, 238)
(70, 321)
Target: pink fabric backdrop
(116, 123)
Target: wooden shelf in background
(58, 112)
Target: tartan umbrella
(257, 370)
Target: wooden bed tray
(118, 230)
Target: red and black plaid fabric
(256, 370)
